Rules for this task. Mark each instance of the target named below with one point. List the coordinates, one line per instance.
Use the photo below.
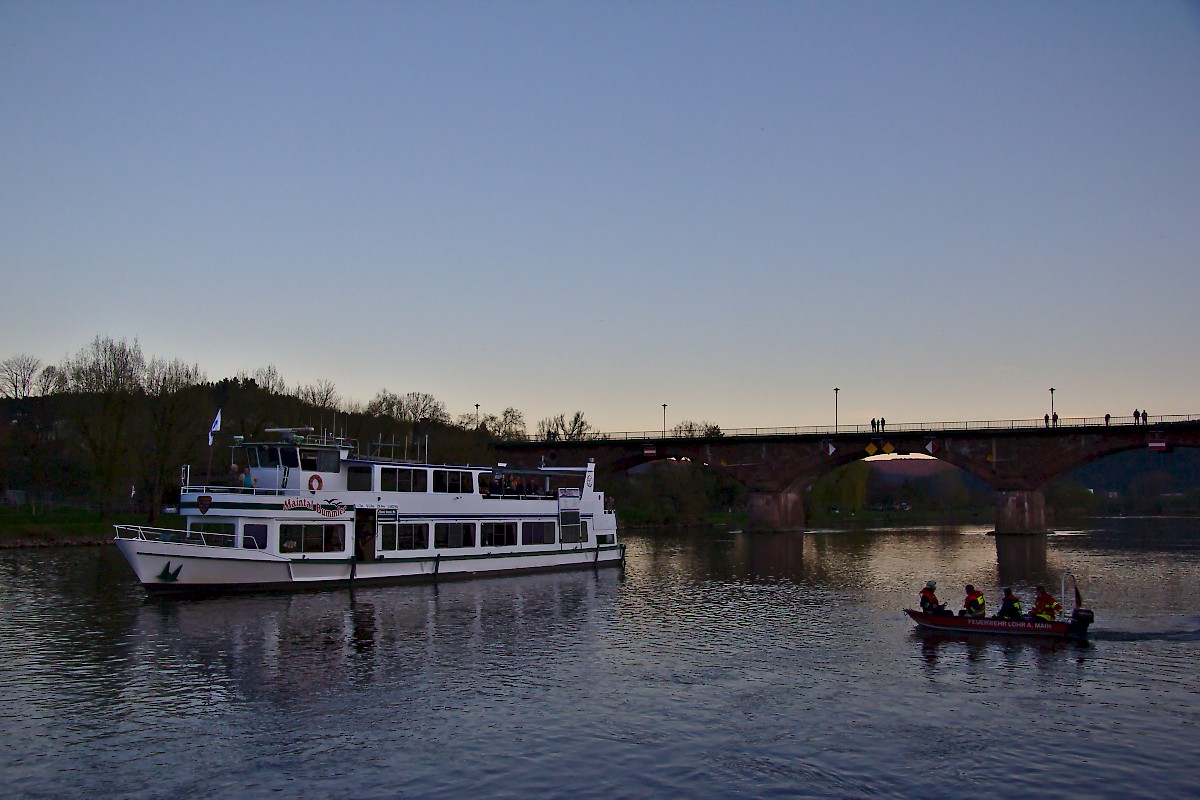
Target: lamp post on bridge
(1053, 416)
(835, 412)
(664, 420)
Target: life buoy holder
(315, 483)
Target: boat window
(537, 533)
(213, 534)
(308, 459)
(452, 481)
(267, 456)
(329, 461)
(289, 457)
(358, 479)
(312, 538)
(254, 536)
(404, 535)
(399, 479)
(498, 534)
(568, 522)
(453, 534)
(484, 481)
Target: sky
(940, 208)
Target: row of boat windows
(308, 459)
(445, 481)
(393, 536)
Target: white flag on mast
(216, 426)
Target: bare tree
(269, 379)
(322, 394)
(104, 380)
(560, 427)
(384, 404)
(697, 429)
(176, 417)
(17, 375)
(51, 380)
(412, 407)
(512, 425)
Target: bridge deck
(897, 428)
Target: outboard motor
(1081, 619)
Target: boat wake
(1145, 636)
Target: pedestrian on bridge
(1136, 418)
(882, 422)
(1055, 419)
(1107, 418)
(874, 425)
(1047, 420)
(1144, 421)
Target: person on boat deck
(1045, 607)
(929, 601)
(974, 606)
(248, 480)
(1011, 607)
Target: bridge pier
(777, 511)
(1020, 512)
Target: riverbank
(64, 527)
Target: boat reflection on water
(941, 650)
(281, 648)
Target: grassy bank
(63, 526)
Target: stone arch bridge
(1017, 458)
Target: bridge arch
(1016, 461)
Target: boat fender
(314, 484)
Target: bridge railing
(932, 428)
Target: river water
(715, 665)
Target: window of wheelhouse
(263, 456)
(269, 455)
(314, 459)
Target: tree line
(109, 427)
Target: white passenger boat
(320, 515)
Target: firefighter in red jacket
(1045, 607)
(974, 606)
(929, 601)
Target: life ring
(315, 483)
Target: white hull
(176, 567)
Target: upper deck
(307, 465)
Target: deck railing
(201, 538)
